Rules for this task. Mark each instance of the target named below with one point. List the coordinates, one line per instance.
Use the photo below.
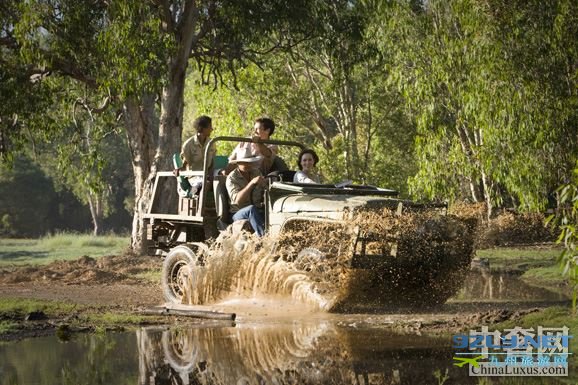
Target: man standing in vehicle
(193, 152)
(245, 185)
(262, 130)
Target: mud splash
(244, 265)
(314, 262)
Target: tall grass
(61, 246)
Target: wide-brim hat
(247, 159)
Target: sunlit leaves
(475, 74)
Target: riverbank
(111, 293)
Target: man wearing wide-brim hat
(245, 185)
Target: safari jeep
(400, 251)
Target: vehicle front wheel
(179, 273)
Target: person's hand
(258, 180)
(256, 139)
(176, 171)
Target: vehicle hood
(330, 203)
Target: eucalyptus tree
(328, 92)
(492, 89)
(135, 55)
(566, 220)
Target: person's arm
(244, 195)
(263, 149)
(240, 195)
(227, 170)
(267, 151)
(186, 153)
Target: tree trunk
(487, 195)
(152, 153)
(139, 120)
(170, 132)
(96, 212)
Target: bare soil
(107, 281)
(110, 284)
(114, 284)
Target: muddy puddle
(503, 287)
(277, 341)
(277, 353)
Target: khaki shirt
(236, 182)
(193, 153)
(245, 149)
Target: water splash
(244, 264)
(311, 262)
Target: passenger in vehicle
(262, 130)
(245, 185)
(307, 162)
(193, 152)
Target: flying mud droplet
(376, 258)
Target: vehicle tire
(179, 269)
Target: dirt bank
(125, 285)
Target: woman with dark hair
(306, 162)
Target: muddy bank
(124, 269)
(111, 293)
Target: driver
(245, 185)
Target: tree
(486, 95)
(327, 92)
(137, 53)
(566, 220)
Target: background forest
(458, 100)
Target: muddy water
(276, 353)
(502, 287)
(277, 341)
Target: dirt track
(107, 281)
(126, 296)
(115, 284)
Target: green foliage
(59, 247)
(57, 59)
(487, 94)
(132, 65)
(7, 327)
(18, 307)
(27, 200)
(327, 92)
(115, 319)
(566, 220)
(549, 317)
(471, 99)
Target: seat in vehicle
(222, 201)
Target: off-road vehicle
(398, 251)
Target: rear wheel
(180, 270)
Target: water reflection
(86, 359)
(249, 354)
(481, 284)
(292, 354)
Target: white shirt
(302, 177)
